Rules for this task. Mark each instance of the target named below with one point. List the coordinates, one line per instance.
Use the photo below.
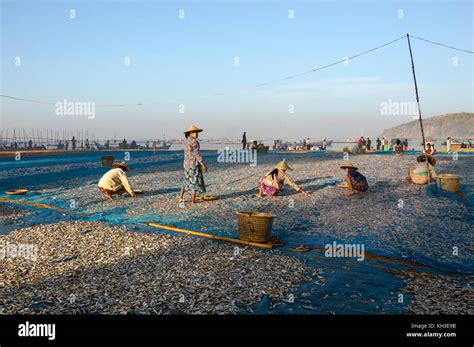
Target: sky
(203, 62)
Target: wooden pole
(418, 106)
(41, 205)
(214, 237)
(416, 93)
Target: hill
(456, 125)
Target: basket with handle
(255, 226)
(107, 161)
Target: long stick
(40, 205)
(418, 106)
(215, 237)
(416, 91)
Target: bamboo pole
(367, 255)
(419, 109)
(40, 205)
(214, 237)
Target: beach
(110, 261)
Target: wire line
(442, 44)
(270, 82)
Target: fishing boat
(164, 146)
(100, 147)
(320, 143)
(466, 147)
(259, 146)
(289, 146)
(158, 144)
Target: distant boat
(164, 146)
(161, 145)
(100, 147)
(222, 142)
(285, 145)
(320, 143)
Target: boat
(320, 143)
(291, 146)
(100, 147)
(163, 147)
(259, 147)
(467, 147)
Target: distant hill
(456, 125)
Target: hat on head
(122, 165)
(349, 165)
(282, 165)
(193, 129)
(422, 158)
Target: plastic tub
(449, 182)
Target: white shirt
(115, 179)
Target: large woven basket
(255, 226)
(107, 161)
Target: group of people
(383, 144)
(115, 181)
(273, 181)
(363, 143)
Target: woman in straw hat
(115, 181)
(193, 165)
(356, 182)
(421, 172)
(271, 183)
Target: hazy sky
(212, 60)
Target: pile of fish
(10, 213)
(435, 294)
(395, 218)
(89, 267)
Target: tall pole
(416, 92)
(418, 106)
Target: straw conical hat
(282, 165)
(192, 129)
(123, 165)
(422, 158)
(349, 165)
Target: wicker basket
(255, 226)
(107, 161)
